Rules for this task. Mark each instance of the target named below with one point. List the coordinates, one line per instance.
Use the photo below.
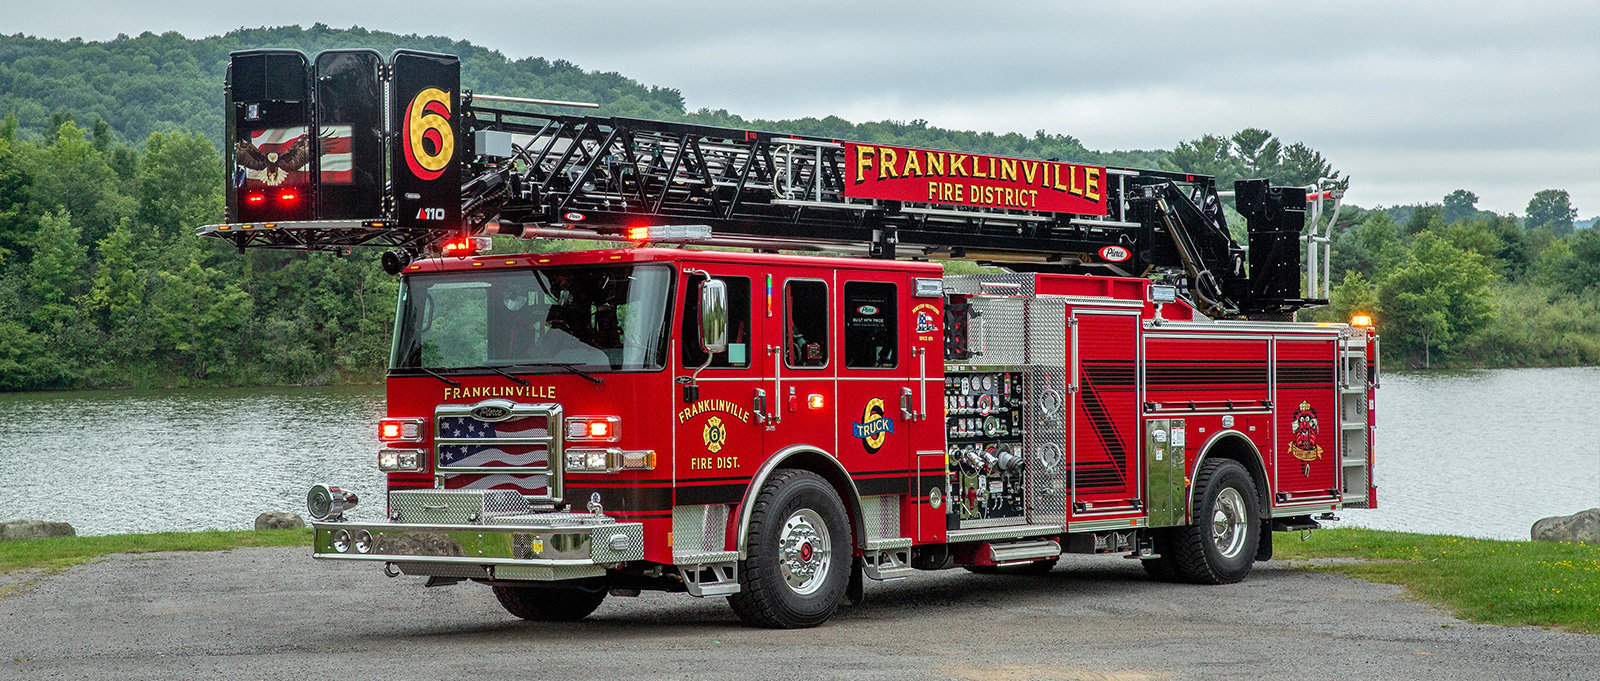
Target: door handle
(905, 405)
(759, 406)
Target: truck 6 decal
(875, 427)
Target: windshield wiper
(503, 372)
(438, 375)
(569, 366)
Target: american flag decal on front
(486, 455)
(477, 449)
(532, 485)
(507, 446)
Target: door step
(1024, 551)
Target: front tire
(799, 558)
(1220, 546)
(539, 604)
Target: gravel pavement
(277, 614)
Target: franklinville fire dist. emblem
(1304, 446)
(714, 434)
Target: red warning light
(461, 246)
(288, 196)
(255, 198)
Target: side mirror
(713, 316)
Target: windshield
(594, 317)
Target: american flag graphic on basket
(336, 159)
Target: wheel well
(1233, 445)
(815, 461)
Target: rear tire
(1220, 546)
(539, 604)
(799, 558)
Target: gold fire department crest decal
(714, 434)
(1304, 446)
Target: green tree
(179, 183)
(55, 273)
(1460, 205)
(1439, 296)
(1551, 208)
(1423, 217)
(1355, 294)
(1208, 155)
(1572, 264)
(1370, 247)
(72, 174)
(199, 315)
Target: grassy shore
(60, 552)
(1480, 580)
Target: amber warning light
(1361, 320)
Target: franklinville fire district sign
(924, 176)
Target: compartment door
(1104, 466)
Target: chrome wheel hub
(1229, 523)
(804, 552)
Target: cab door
(718, 438)
(877, 405)
(802, 357)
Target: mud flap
(1264, 547)
(855, 591)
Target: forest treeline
(109, 159)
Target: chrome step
(1024, 551)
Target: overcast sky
(1411, 99)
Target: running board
(1024, 551)
(1296, 524)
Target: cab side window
(738, 353)
(871, 325)
(805, 324)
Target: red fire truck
(808, 400)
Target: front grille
(500, 444)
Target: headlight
(329, 503)
(340, 540)
(390, 460)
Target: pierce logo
(491, 412)
(875, 426)
(867, 310)
(429, 141)
(1115, 254)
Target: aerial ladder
(352, 149)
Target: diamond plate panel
(455, 506)
(996, 333)
(631, 547)
(881, 516)
(700, 528)
(1044, 484)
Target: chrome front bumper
(530, 546)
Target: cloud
(1408, 98)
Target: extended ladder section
(349, 149)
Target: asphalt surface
(277, 614)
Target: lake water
(1476, 453)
